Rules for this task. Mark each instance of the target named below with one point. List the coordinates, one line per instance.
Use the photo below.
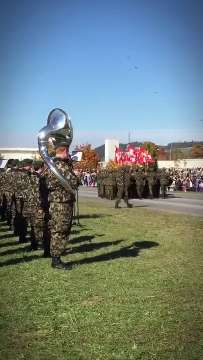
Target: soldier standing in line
(140, 182)
(9, 194)
(122, 181)
(164, 179)
(23, 209)
(99, 181)
(151, 180)
(37, 213)
(4, 201)
(60, 180)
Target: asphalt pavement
(190, 203)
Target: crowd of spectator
(186, 179)
(87, 178)
(182, 179)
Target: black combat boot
(58, 264)
(46, 253)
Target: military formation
(127, 182)
(32, 203)
(42, 197)
(27, 200)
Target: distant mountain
(183, 145)
(175, 145)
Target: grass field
(134, 292)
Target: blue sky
(117, 67)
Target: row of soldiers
(23, 200)
(26, 202)
(132, 182)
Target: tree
(90, 158)
(112, 165)
(197, 151)
(152, 149)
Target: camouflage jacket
(56, 192)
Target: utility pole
(171, 151)
(129, 137)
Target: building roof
(17, 149)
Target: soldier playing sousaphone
(61, 182)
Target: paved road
(186, 203)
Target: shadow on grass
(84, 238)
(9, 243)
(135, 205)
(93, 216)
(6, 236)
(76, 229)
(14, 251)
(91, 246)
(4, 228)
(23, 260)
(128, 251)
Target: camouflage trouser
(151, 189)
(110, 192)
(20, 221)
(140, 189)
(60, 222)
(37, 227)
(163, 190)
(122, 194)
(4, 205)
(13, 215)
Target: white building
(110, 147)
(19, 153)
(181, 164)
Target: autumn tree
(197, 151)
(152, 149)
(112, 164)
(90, 158)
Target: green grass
(135, 291)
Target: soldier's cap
(12, 163)
(37, 164)
(25, 162)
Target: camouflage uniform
(122, 181)
(37, 213)
(152, 183)
(3, 197)
(8, 194)
(61, 203)
(110, 185)
(99, 183)
(23, 209)
(165, 181)
(13, 203)
(140, 183)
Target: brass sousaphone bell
(58, 129)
